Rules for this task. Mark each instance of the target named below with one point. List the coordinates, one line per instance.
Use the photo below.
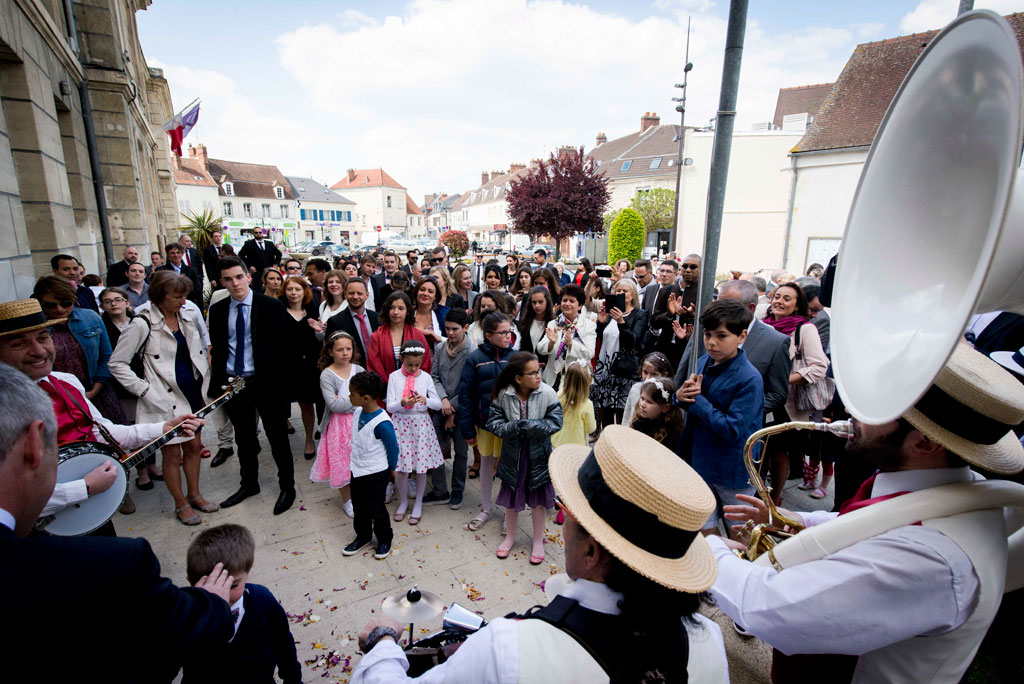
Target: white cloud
(352, 18)
(454, 87)
(934, 14)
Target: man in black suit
(259, 253)
(247, 334)
(383, 279)
(211, 255)
(316, 273)
(117, 274)
(191, 257)
(167, 624)
(175, 255)
(660, 336)
(367, 269)
(356, 320)
(411, 257)
(766, 348)
(476, 270)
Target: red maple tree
(564, 196)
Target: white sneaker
(412, 489)
(389, 494)
(349, 511)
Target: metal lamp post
(681, 108)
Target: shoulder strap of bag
(799, 352)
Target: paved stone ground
(298, 556)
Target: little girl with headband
(410, 393)
(655, 416)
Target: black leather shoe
(284, 502)
(238, 497)
(221, 456)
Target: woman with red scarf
(397, 325)
(788, 313)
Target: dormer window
(279, 192)
(229, 189)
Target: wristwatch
(377, 633)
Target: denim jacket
(88, 329)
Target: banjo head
(74, 462)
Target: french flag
(181, 125)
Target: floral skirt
(333, 458)
(417, 440)
(607, 390)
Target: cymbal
(556, 584)
(413, 605)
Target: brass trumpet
(763, 537)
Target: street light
(680, 161)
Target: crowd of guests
(399, 367)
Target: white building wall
(197, 198)
(339, 232)
(824, 192)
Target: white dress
(417, 438)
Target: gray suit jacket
(824, 325)
(768, 350)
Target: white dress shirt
(128, 436)
(238, 605)
(491, 656)
(910, 581)
(248, 364)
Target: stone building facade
(48, 201)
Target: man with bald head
(766, 348)
(117, 275)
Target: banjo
(76, 459)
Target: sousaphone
(933, 236)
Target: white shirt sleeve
(911, 581)
(491, 656)
(65, 494)
(128, 436)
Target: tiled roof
(640, 150)
(800, 99)
(410, 206)
(312, 190)
(191, 172)
(491, 191)
(853, 110)
(250, 180)
(367, 178)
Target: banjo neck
(132, 460)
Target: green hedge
(626, 238)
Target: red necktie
(364, 330)
(188, 258)
(863, 497)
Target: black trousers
(273, 409)
(371, 514)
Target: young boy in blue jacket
(724, 402)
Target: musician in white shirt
(27, 346)
(911, 604)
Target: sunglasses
(690, 267)
(63, 304)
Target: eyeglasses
(690, 267)
(503, 333)
(63, 304)
(113, 300)
(533, 374)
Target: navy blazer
(108, 593)
(269, 344)
(346, 323)
(262, 644)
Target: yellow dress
(577, 423)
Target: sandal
(473, 473)
(536, 560)
(205, 453)
(818, 493)
(208, 507)
(477, 522)
(193, 519)
(399, 517)
(414, 520)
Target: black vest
(624, 655)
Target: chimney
(484, 178)
(566, 151)
(427, 199)
(199, 152)
(649, 120)
(495, 174)
(534, 163)
(351, 175)
(515, 168)
(601, 139)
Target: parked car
(322, 248)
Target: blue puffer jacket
(482, 369)
(91, 334)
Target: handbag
(815, 396)
(625, 365)
(136, 364)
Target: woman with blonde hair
(450, 298)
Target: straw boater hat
(1010, 360)
(971, 409)
(24, 315)
(642, 503)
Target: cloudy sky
(436, 91)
